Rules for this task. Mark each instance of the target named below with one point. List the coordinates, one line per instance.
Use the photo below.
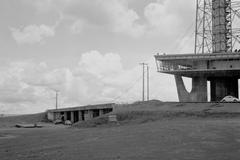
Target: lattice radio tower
(216, 29)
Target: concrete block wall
(78, 115)
(50, 116)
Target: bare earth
(180, 138)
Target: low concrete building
(81, 113)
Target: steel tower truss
(215, 22)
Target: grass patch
(140, 117)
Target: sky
(88, 50)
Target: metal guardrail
(198, 56)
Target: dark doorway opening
(75, 116)
(95, 113)
(68, 116)
(82, 115)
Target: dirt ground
(182, 138)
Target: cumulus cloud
(124, 19)
(114, 15)
(32, 34)
(100, 65)
(157, 18)
(97, 78)
(169, 17)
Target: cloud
(165, 18)
(123, 19)
(169, 17)
(114, 15)
(32, 34)
(100, 65)
(77, 27)
(97, 78)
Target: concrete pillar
(50, 116)
(183, 94)
(100, 112)
(54, 116)
(88, 114)
(220, 25)
(199, 89)
(72, 117)
(223, 86)
(198, 92)
(80, 115)
(65, 116)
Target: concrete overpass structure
(217, 64)
(81, 113)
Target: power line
(143, 80)
(128, 89)
(180, 37)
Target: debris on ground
(28, 125)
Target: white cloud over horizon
(89, 50)
(98, 78)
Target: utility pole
(56, 98)
(143, 81)
(147, 83)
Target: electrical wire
(128, 89)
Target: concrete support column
(65, 116)
(183, 94)
(199, 89)
(72, 117)
(80, 115)
(100, 112)
(198, 92)
(86, 115)
(54, 116)
(50, 116)
(90, 114)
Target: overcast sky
(90, 50)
